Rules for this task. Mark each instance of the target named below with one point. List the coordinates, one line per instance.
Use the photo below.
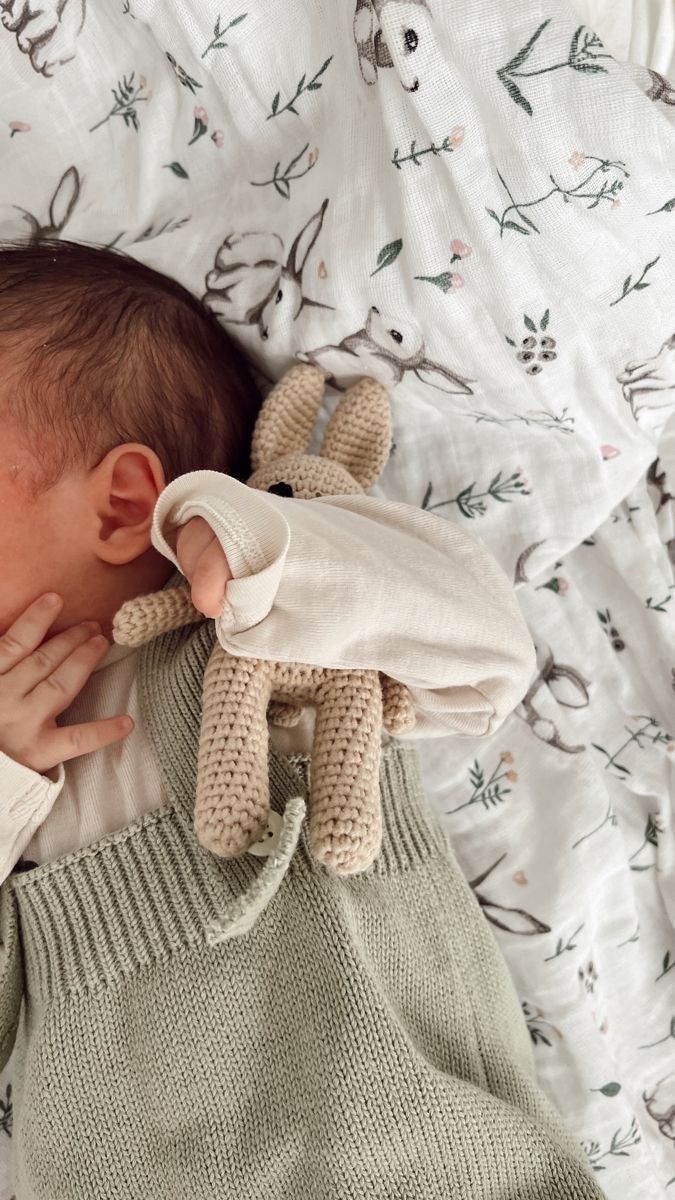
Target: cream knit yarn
(240, 694)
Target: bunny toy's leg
(398, 710)
(345, 823)
(232, 801)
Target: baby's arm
(356, 581)
(26, 798)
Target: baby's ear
(288, 416)
(358, 434)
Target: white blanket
(472, 202)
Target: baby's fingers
(28, 630)
(59, 689)
(191, 541)
(70, 741)
(209, 580)
(27, 674)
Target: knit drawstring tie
(241, 914)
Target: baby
(363, 1039)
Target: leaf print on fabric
(659, 606)
(302, 86)
(127, 95)
(648, 377)
(472, 504)
(612, 632)
(449, 143)
(535, 416)
(447, 281)
(413, 34)
(582, 56)
(539, 1028)
(46, 30)
(619, 1145)
(511, 920)
(218, 33)
(177, 170)
(254, 282)
(563, 947)
(388, 255)
(605, 191)
(667, 207)
(18, 127)
(6, 1112)
(532, 350)
(182, 76)
(668, 1037)
(282, 179)
(389, 348)
(608, 819)
(649, 732)
(608, 1089)
(638, 286)
(651, 838)
(489, 792)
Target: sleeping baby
(363, 1038)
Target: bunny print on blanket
(46, 30)
(253, 284)
(18, 224)
(643, 381)
(387, 350)
(407, 38)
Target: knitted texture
(242, 694)
(363, 1039)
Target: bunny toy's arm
(355, 581)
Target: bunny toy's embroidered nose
(241, 914)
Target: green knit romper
(363, 1040)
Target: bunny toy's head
(355, 445)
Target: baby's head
(113, 381)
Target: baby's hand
(40, 679)
(202, 561)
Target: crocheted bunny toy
(241, 694)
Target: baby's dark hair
(98, 349)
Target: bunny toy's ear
(358, 434)
(287, 418)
